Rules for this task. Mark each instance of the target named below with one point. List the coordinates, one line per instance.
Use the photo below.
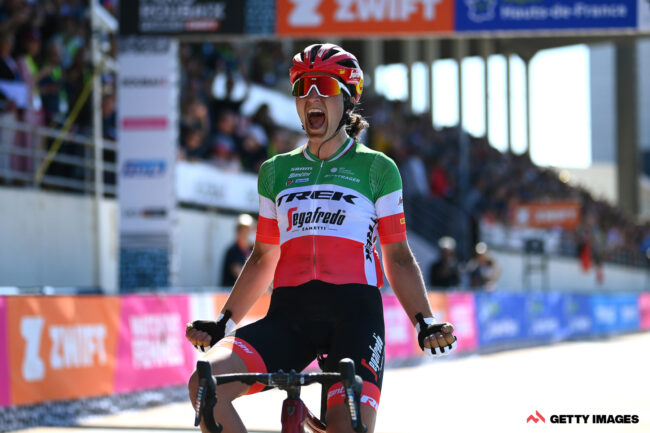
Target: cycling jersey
(326, 214)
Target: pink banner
(644, 313)
(152, 350)
(400, 333)
(462, 315)
(4, 355)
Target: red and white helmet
(330, 59)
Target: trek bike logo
(299, 219)
(317, 195)
(536, 420)
(305, 13)
(370, 240)
(73, 346)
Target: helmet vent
(348, 63)
(330, 53)
(313, 52)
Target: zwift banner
(4, 355)
(523, 15)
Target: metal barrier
(24, 148)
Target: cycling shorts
(341, 320)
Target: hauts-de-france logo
(480, 11)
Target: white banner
(644, 15)
(148, 129)
(206, 185)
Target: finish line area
(488, 392)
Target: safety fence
(55, 348)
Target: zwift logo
(144, 168)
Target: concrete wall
(47, 239)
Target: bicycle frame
(295, 414)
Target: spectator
(238, 252)
(192, 144)
(445, 272)
(483, 270)
(51, 87)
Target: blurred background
(131, 134)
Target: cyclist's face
(320, 115)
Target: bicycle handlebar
(206, 397)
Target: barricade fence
(26, 149)
(55, 348)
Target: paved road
(481, 393)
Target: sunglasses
(325, 86)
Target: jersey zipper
(313, 209)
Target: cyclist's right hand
(204, 334)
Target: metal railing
(24, 149)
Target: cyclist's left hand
(436, 339)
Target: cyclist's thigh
(223, 360)
(338, 419)
(268, 345)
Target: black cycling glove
(427, 327)
(216, 329)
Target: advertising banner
(544, 316)
(576, 310)
(202, 184)
(401, 339)
(4, 355)
(644, 15)
(547, 215)
(462, 314)
(362, 17)
(531, 15)
(152, 350)
(501, 318)
(644, 311)
(163, 17)
(148, 135)
(604, 314)
(61, 347)
(628, 312)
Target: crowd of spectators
(44, 68)
(44, 46)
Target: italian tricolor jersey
(326, 215)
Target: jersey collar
(339, 153)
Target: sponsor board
(544, 316)
(4, 355)
(61, 347)
(152, 351)
(401, 338)
(604, 314)
(530, 15)
(576, 310)
(547, 215)
(363, 17)
(462, 314)
(644, 311)
(501, 318)
(628, 312)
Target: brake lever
(352, 385)
(206, 398)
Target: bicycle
(295, 414)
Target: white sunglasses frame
(341, 86)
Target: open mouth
(315, 118)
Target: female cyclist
(322, 207)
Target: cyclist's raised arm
(255, 278)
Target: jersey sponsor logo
(302, 180)
(339, 390)
(298, 174)
(317, 195)
(369, 247)
(299, 219)
(301, 168)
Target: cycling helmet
(330, 59)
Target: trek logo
(298, 219)
(73, 346)
(317, 195)
(369, 239)
(306, 13)
(536, 420)
(369, 401)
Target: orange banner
(61, 347)
(363, 17)
(564, 214)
